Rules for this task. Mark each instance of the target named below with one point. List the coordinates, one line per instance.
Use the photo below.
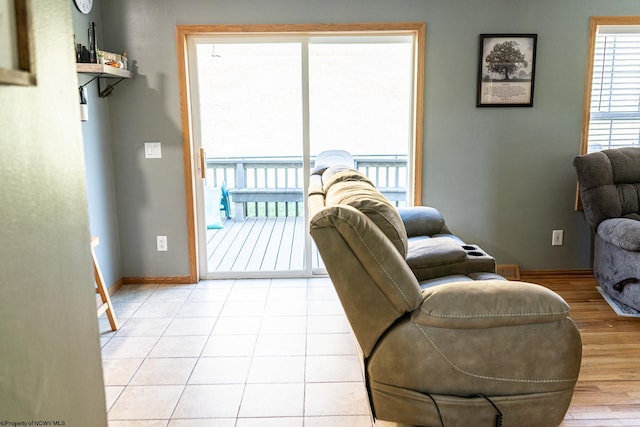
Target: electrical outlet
(162, 243)
(557, 237)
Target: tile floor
(232, 353)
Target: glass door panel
(250, 126)
(361, 102)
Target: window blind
(615, 93)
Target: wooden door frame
(417, 29)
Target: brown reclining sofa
(444, 340)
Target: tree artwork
(505, 59)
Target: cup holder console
(472, 250)
(441, 256)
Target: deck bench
(241, 196)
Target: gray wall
(501, 176)
(50, 368)
(97, 152)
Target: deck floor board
(259, 245)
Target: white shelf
(104, 70)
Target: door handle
(203, 164)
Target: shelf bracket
(103, 93)
(94, 77)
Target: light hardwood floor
(608, 389)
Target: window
(612, 115)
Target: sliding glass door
(262, 108)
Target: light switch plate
(152, 150)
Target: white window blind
(615, 93)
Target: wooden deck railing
(273, 186)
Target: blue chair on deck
(216, 200)
(224, 200)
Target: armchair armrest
(488, 304)
(621, 232)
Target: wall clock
(84, 6)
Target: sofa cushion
(349, 187)
(437, 281)
(621, 232)
(489, 303)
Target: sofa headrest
(624, 164)
(422, 221)
(346, 186)
(609, 183)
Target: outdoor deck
(265, 201)
(259, 244)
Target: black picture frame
(506, 70)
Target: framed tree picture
(16, 43)
(506, 70)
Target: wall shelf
(104, 71)
(101, 71)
